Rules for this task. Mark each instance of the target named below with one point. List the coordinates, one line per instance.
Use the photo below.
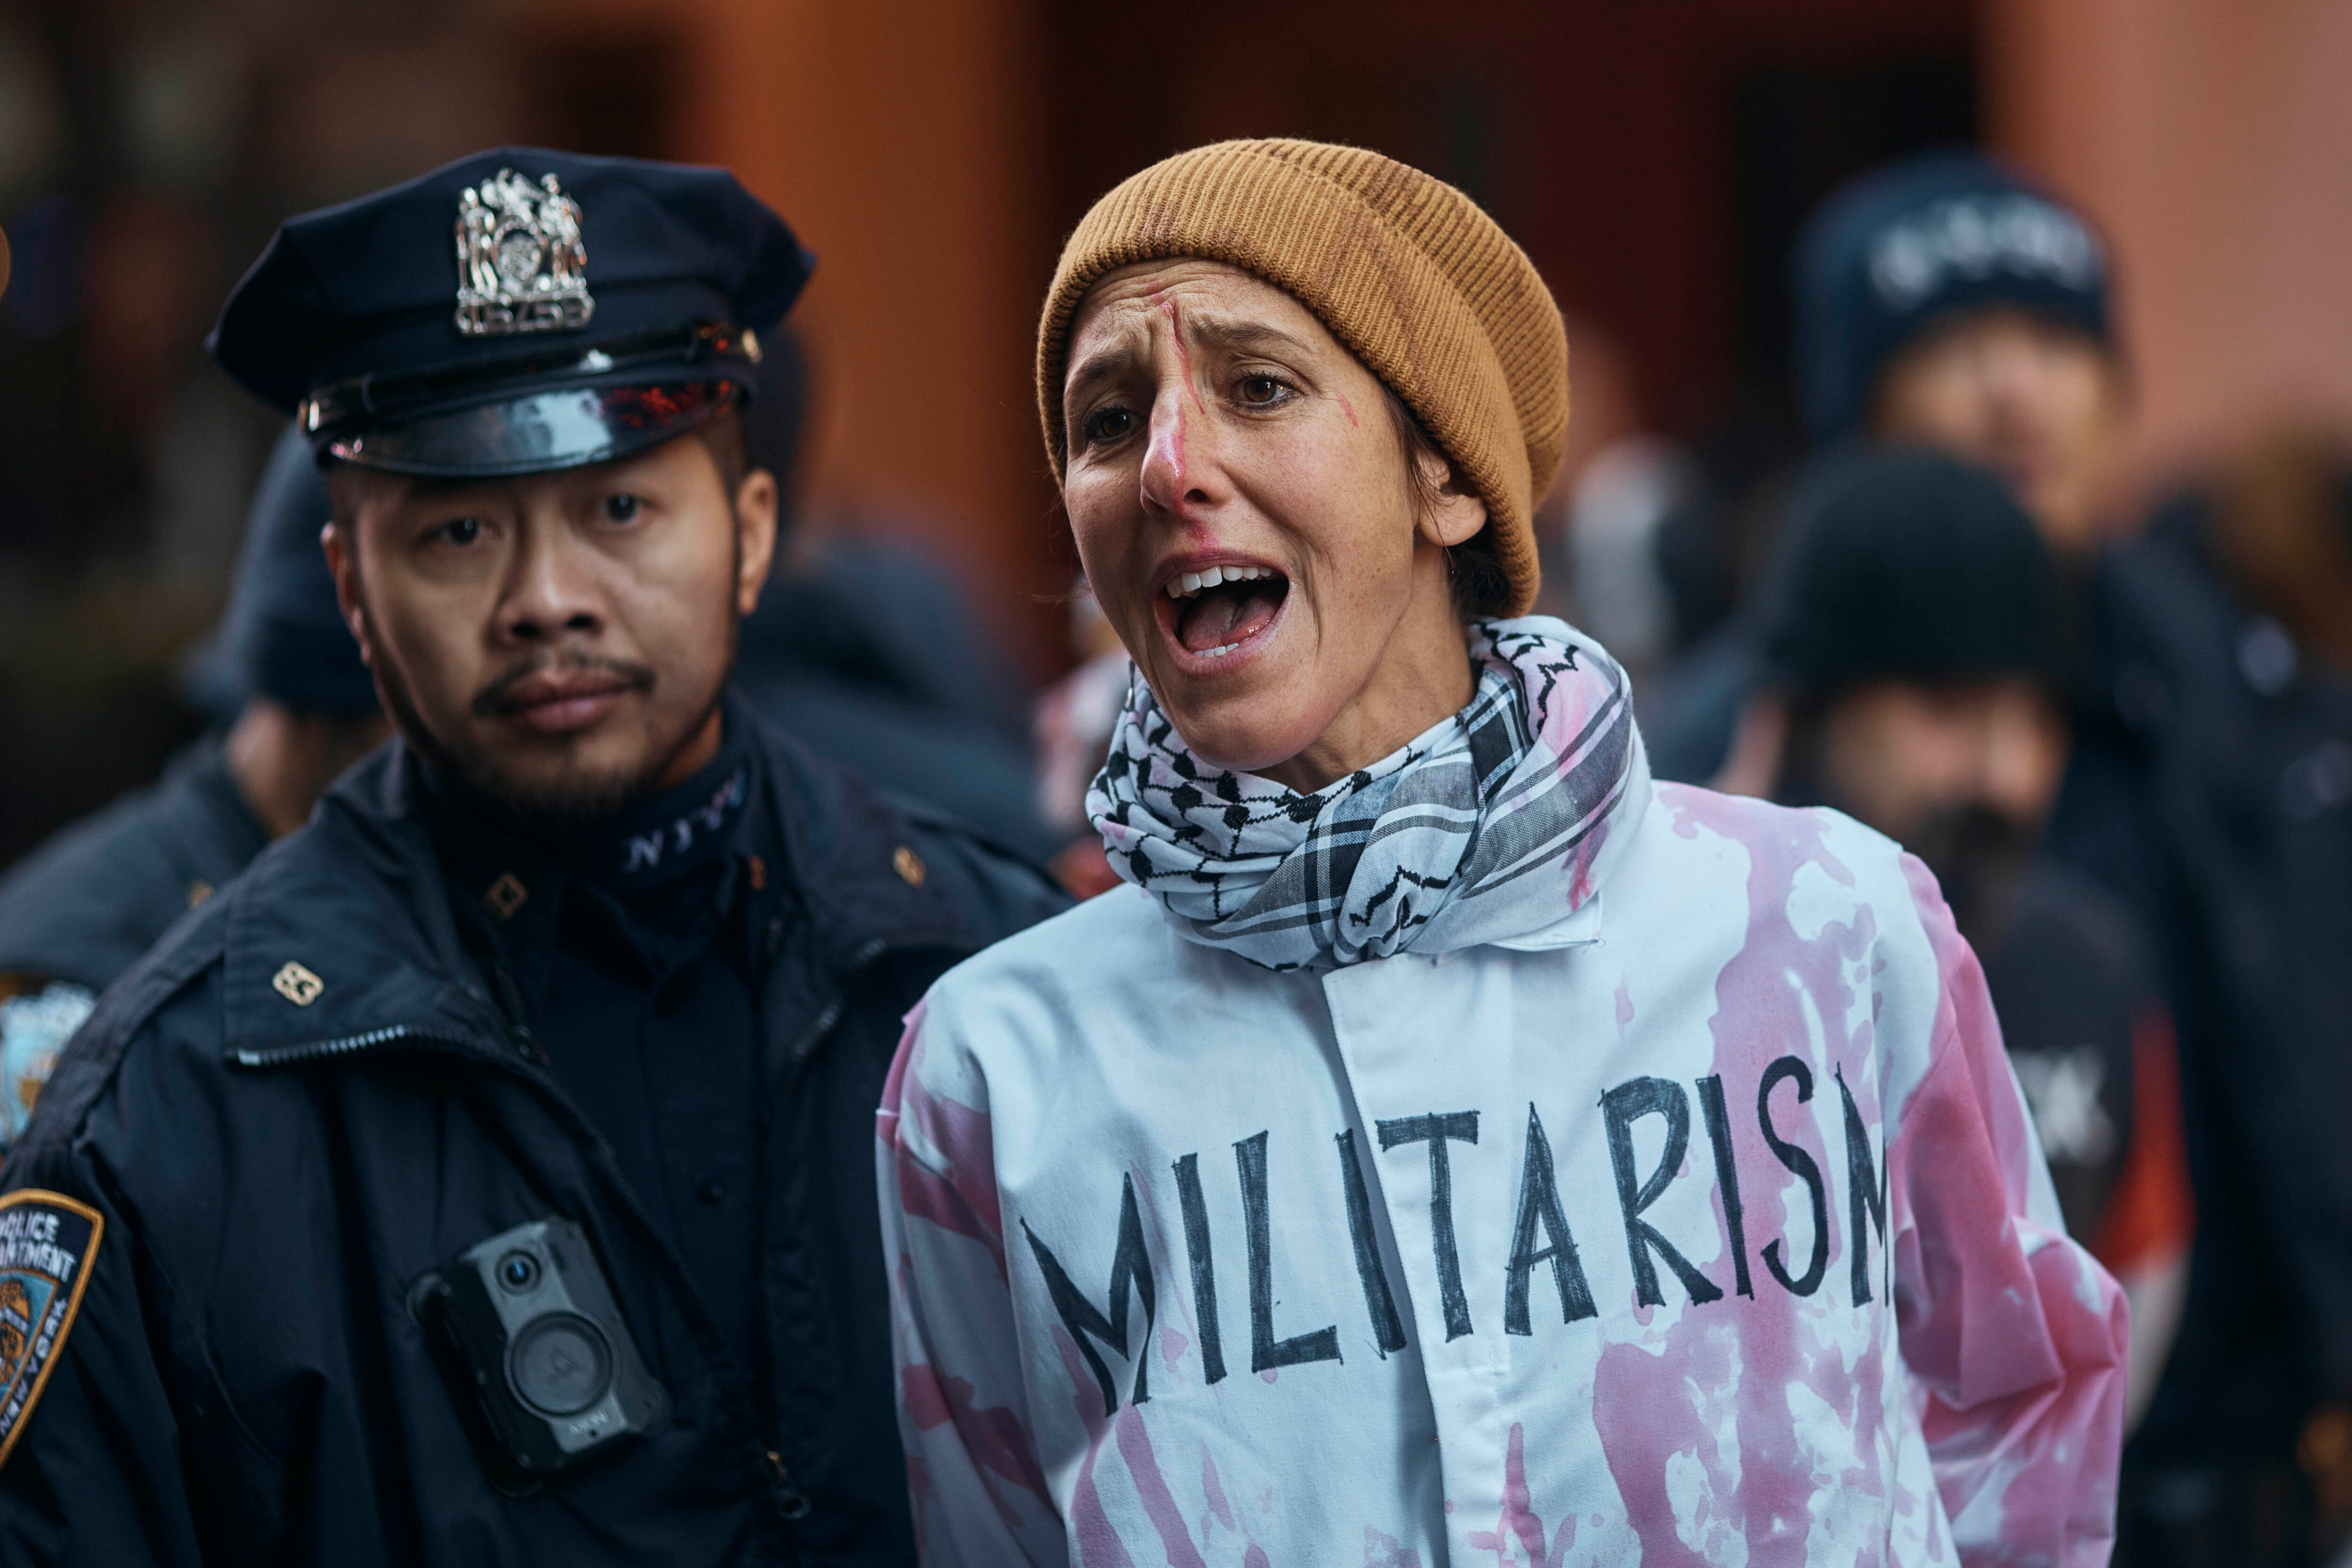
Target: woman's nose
(1180, 460)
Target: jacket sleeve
(2013, 1336)
(979, 1495)
(94, 1472)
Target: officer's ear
(344, 562)
(755, 537)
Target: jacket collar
(344, 930)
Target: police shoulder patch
(48, 1242)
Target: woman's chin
(1244, 734)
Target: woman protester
(1451, 1143)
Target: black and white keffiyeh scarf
(1483, 829)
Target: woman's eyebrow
(1243, 337)
(1104, 364)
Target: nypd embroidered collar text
(677, 839)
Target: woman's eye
(1108, 425)
(460, 532)
(621, 509)
(1260, 391)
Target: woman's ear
(1451, 511)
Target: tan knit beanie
(1421, 286)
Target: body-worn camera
(528, 1321)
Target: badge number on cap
(48, 1242)
(521, 264)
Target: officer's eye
(621, 509)
(1107, 424)
(460, 532)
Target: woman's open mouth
(1216, 614)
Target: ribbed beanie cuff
(1406, 270)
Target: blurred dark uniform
(868, 652)
(83, 908)
(424, 1022)
(2229, 744)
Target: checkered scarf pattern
(1483, 829)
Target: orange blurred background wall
(932, 152)
(2214, 144)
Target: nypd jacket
(1699, 1221)
(212, 1228)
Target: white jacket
(1705, 1225)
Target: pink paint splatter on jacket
(1700, 1223)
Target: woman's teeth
(1192, 583)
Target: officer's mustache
(494, 698)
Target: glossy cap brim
(569, 427)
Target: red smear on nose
(1173, 435)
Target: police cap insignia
(521, 267)
(48, 1242)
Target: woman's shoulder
(1810, 869)
(1785, 835)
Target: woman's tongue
(1217, 616)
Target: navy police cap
(514, 311)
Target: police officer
(83, 908)
(487, 1175)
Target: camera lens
(517, 1271)
(560, 1364)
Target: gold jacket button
(909, 866)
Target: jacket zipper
(830, 1014)
(345, 1045)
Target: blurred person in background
(2226, 663)
(1076, 718)
(868, 652)
(485, 1173)
(297, 707)
(1600, 530)
(1915, 643)
(1947, 301)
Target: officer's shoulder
(997, 890)
(993, 889)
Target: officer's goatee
(572, 794)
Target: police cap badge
(520, 265)
(602, 305)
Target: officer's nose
(552, 589)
